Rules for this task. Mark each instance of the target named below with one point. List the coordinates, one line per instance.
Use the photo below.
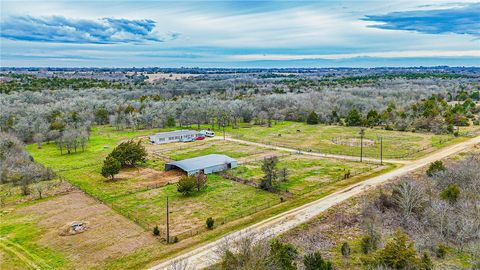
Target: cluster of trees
(433, 114)
(17, 167)
(397, 253)
(273, 176)
(437, 212)
(190, 183)
(126, 154)
(23, 82)
(225, 99)
(414, 223)
(268, 255)
(69, 140)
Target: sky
(233, 33)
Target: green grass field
(344, 140)
(305, 173)
(224, 200)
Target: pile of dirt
(73, 228)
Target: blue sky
(239, 33)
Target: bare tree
(409, 197)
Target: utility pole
(381, 151)
(168, 225)
(362, 132)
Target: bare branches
(409, 197)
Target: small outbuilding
(206, 164)
(174, 136)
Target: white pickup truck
(207, 133)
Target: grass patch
(18, 239)
(305, 173)
(344, 140)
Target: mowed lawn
(305, 173)
(343, 140)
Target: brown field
(108, 235)
(176, 151)
(152, 77)
(147, 177)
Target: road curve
(205, 255)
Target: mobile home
(174, 136)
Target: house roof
(174, 133)
(199, 163)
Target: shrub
(345, 250)
(368, 244)
(354, 118)
(282, 256)
(170, 121)
(451, 193)
(111, 166)
(314, 261)
(210, 222)
(435, 167)
(384, 201)
(312, 118)
(441, 251)
(186, 185)
(426, 262)
(398, 253)
(156, 231)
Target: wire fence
(142, 218)
(372, 150)
(166, 153)
(219, 221)
(258, 208)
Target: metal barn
(207, 164)
(174, 136)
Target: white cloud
(392, 54)
(220, 33)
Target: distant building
(206, 164)
(174, 136)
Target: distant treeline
(22, 82)
(422, 102)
